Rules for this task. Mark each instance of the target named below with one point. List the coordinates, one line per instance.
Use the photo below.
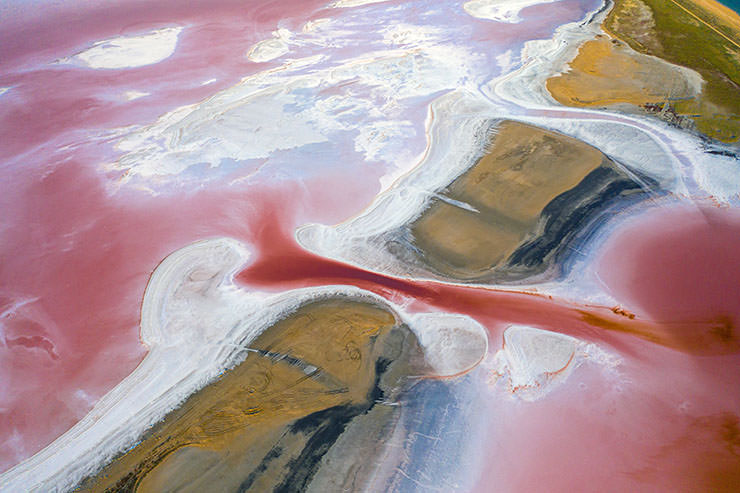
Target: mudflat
(308, 387)
(607, 71)
(512, 211)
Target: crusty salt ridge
(532, 362)
(453, 344)
(196, 323)
(129, 51)
(500, 10)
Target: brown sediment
(621, 311)
(637, 19)
(607, 71)
(267, 423)
(711, 337)
(517, 206)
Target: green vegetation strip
(683, 33)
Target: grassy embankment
(700, 35)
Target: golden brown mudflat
(607, 71)
(526, 169)
(267, 423)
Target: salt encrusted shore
(460, 124)
(197, 323)
(459, 128)
(532, 362)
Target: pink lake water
(79, 240)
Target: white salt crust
(129, 51)
(500, 10)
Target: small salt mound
(500, 10)
(453, 344)
(130, 51)
(270, 49)
(535, 360)
(132, 95)
(339, 4)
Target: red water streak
(75, 262)
(704, 324)
(281, 264)
(662, 419)
(74, 265)
(80, 259)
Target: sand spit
(129, 51)
(459, 125)
(522, 192)
(532, 362)
(198, 324)
(493, 202)
(543, 58)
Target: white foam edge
(196, 323)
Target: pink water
(78, 248)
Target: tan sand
(607, 71)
